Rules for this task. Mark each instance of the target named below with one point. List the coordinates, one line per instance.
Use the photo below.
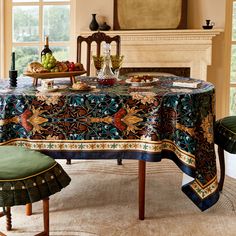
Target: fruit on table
(36, 67)
(60, 67)
(81, 85)
(74, 66)
(48, 61)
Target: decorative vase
(94, 24)
(104, 26)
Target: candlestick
(13, 71)
(13, 78)
(13, 61)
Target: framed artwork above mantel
(150, 14)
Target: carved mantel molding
(191, 48)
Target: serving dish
(142, 83)
(83, 89)
(50, 75)
(43, 90)
(55, 88)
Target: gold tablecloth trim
(106, 145)
(204, 191)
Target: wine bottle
(46, 48)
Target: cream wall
(84, 9)
(198, 12)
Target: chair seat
(225, 133)
(27, 176)
(17, 163)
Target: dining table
(171, 117)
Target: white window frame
(8, 31)
(1, 38)
(228, 50)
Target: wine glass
(98, 62)
(116, 63)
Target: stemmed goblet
(116, 63)
(98, 62)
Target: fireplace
(181, 52)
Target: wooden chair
(98, 38)
(225, 138)
(28, 176)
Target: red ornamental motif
(24, 120)
(118, 119)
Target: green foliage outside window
(24, 55)
(56, 22)
(232, 101)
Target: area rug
(102, 200)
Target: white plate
(141, 83)
(55, 88)
(186, 84)
(62, 86)
(87, 89)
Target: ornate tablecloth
(149, 124)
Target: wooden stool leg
(46, 215)
(222, 167)
(8, 215)
(8, 218)
(142, 175)
(45, 218)
(28, 209)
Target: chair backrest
(98, 38)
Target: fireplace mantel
(167, 48)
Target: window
(31, 21)
(232, 107)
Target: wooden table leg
(35, 82)
(142, 176)
(72, 79)
(28, 209)
(68, 161)
(222, 167)
(119, 161)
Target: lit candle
(13, 61)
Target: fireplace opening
(178, 71)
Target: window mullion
(41, 41)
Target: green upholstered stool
(225, 138)
(28, 176)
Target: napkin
(5, 90)
(186, 84)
